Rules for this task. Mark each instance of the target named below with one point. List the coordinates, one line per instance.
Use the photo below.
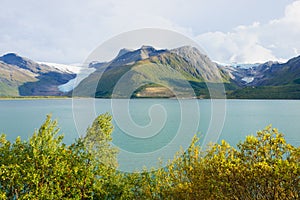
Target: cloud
(274, 40)
(241, 45)
(68, 31)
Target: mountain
(11, 77)
(148, 72)
(21, 76)
(205, 68)
(269, 80)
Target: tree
(271, 166)
(98, 140)
(261, 167)
(46, 168)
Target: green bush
(45, 168)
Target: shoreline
(154, 97)
(34, 97)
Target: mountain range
(149, 72)
(23, 77)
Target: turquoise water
(154, 127)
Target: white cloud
(67, 31)
(275, 40)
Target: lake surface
(148, 129)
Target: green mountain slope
(147, 72)
(11, 78)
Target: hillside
(11, 77)
(23, 77)
(270, 80)
(153, 73)
(147, 73)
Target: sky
(229, 31)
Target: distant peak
(188, 51)
(11, 58)
(147, 47)
(269, 63)
(187, 48)
(124, 51)
(10, 55)
(14, 59)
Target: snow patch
(71, 84)
(67, 87)
(248, 79)
(80, 70)
(238, 65)
(73, 68)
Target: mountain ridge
(153, 73)
(148, 63)
(21, 76)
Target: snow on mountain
(74, 68)
(238, 65)
(81, 74)
(248, 79)
(78, 69)
(244, 66)
(67, 87)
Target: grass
(8, 90)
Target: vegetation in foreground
(261, 167)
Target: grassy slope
(164, 71)
(8, 90)
(11, 77)
(148, 78)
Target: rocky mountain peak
(123, 52)
(187, 50)
(146, 51)
(14, 59)
(24, 63)
(8, 55)
(204, 66)
(128, 56)
(148, 48)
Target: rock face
(23, 77)
(126, 56)
(205, 68)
